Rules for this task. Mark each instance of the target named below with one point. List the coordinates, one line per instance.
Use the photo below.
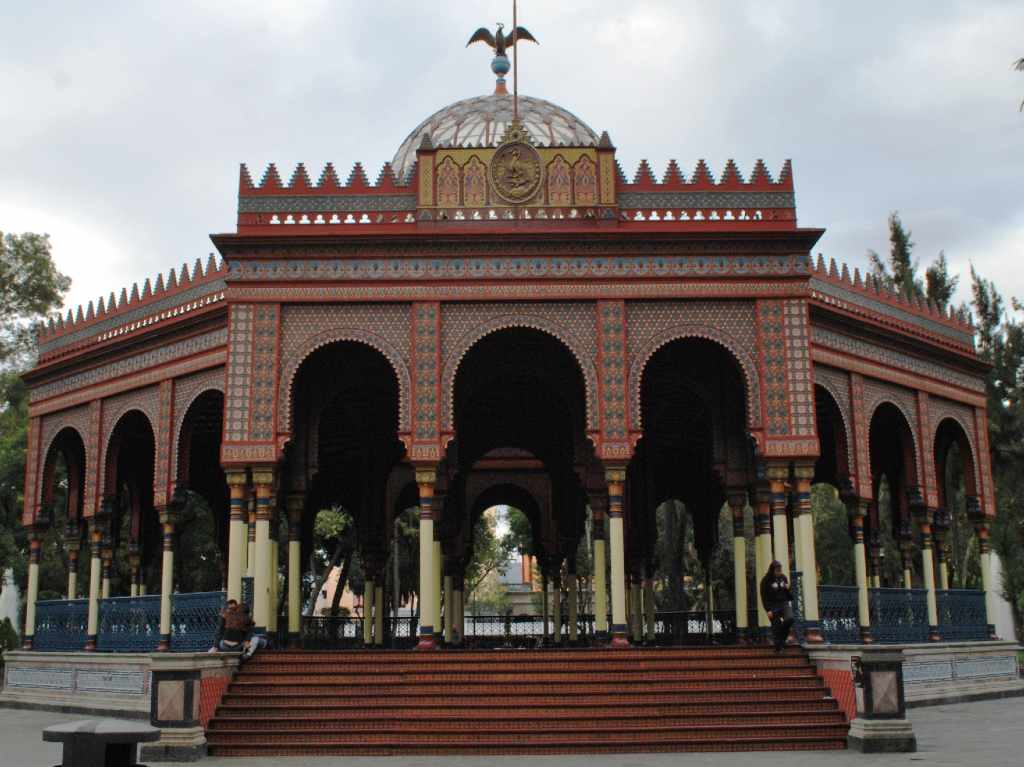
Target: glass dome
(481, 121)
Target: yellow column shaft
(368, 597)
(600, 587)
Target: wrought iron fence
(796, 590)
(692, 627)
(61, 625)
(129, 624)
(899, 616)
(837, 606)
(962, 615)
(247, 592)
(194, 620)
(331, 632)
(506, 630)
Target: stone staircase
(526, 702)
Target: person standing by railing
(778, 603)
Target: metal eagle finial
(499, 41)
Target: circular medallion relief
(516, 172)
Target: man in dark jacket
(776, 598)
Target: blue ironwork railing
(61, 625)
(962, 615)
(899, 616)
(326, 632)
(837, 606)
(129, 624)
(194, 620)
(796, 590)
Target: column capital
(803, 470)
(263, 475)
(615, 475)
(168, 516)
(236, 478)
(775, 471)
(426, 475)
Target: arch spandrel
(305, 329)
(836, 383)
(53, 424)
(186, 391)
(147, 402)
(462, 327)
(878, 393)
(681, 332)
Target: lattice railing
(194, 620)
(129, 624)
(899, 616)
(61, 625)
(837, 606)
(325, 632)
(962, 615)
(247, 592)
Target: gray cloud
(124, 123)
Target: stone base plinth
(881, 736)
(184, 744)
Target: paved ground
(983, 734)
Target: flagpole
(515, 64)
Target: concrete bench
(96, 742)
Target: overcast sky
(122, 124)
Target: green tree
(491, 552)
(30, 288)
(832, 543)
(1001, 344)
(939, 284)
(900, 273)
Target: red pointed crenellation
(761, 177)
(386, 179)
(172, 280)
(619, 174)
(731, 175)
(328, 181)
(147, 289)
(833, 269)
(858, 282)
(133, 298)
(184, 278)
(123, 300)
(78, 315)
(299, 181)
(357, 179)
(702, 178)
(673, 177)
(820, 264)
(211, 265)
(197, 270)
(90, 313)
(101, 308)
(643, 177)
(271, 181)
(786, 176)
(244, 179)
(845, 275)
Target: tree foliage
(1001, 344)
(30, 288)
(899, 271)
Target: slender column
(762, 548)
(167, 520)
(635, 609)
(134, 559)
(296, 505)
(574, 607)
(649, 615)
(924, 524)
(616, 479)
(980, 521)
(874, 552)
(857, 509)
(738, 505)
(378, 616)
(274, 583)
(907, 552)
(72, 539)
(237, 529)
(806, 561)
(449, 609)
(263, 480)
(250, 549)
(458, 602)
(600, 568)
(778, 476)
(940, 528)
(93, 620)
(544, 607)
(35, 545)
(369, 595)
(107, 557)
(556, 603)
(426, 478)
(438, 563)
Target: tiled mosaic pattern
(574, 324)
(837, 384)
(236, 409)
(611, 317)
(861, 419)
(146, 401)
(770, 317)
(426, 354)
(384, 327)
(186, 391)
(798, 358)
(132, 364)
(264, 371)
(652, 324)
(162, 427)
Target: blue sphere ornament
(500, 66)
